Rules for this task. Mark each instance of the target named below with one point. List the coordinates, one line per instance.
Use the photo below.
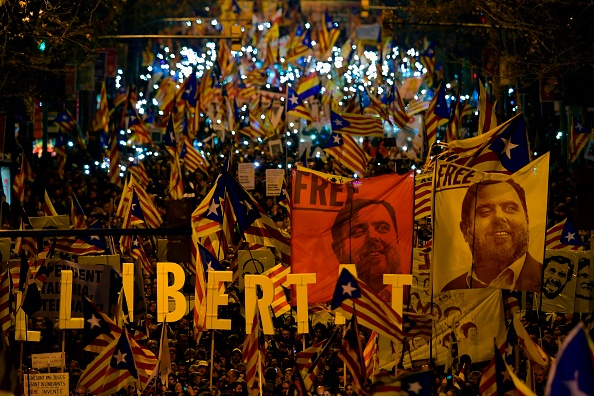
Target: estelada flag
(489, 228)
(375, 212)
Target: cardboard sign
(55, 384)
(274, 182)
(45, 360)
(246, 175)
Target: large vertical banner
(367, 222)
(489, 228)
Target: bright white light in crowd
(280, 166)
(236, 151)
(199, 144)
(87, 172)
(288, 143)
(267, 25)
(476, 113)
(559, 135)
(318, 154)
(138, 150)
(70, 144)
(166, 49)
(307, 25)
(302, 140)
(262, 116)
(413, 167)
(295, 131)
(222, 156)
(86, 166)
(256, 164)
(535, 153)
(313, 137)
(418, 171)
(160, 56)
(313, 43)
(199, 21)
(289, 166)
(121, 174)
(355, 175)
(156, 154)
(448, 96)
(214, 22)
(360, 140)
(510, 91)
(448, 86)
(188, 23)
(130, 159)
(141, 156)
(246, 143)
(260, 27)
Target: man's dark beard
(485, 252)
(551, 295)
(371, 270)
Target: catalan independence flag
(356, 124)
(437, 114)
(309, 86)
(296, 107)
(348, 153)
(563, 235)
(578, 138)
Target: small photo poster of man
(489, 228)
(559, 281)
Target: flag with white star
(417, 383)
(296, 107)
(346, 150)
(82, 245)
(437, 114)
(564, 235)
(502, 377)
(209, 262)
(503, 149)
(99, 329)
(579, 135)
(356, 124)
(351, 294)
(66, 121)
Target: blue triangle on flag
(338, 122)
(346, 287)
(511, 145)
(334, 140)
(570, 236)
(122, 358)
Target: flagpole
(260, 377)
(212, 345)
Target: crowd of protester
(191, 360)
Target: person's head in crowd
(80, 391)
(232, 375)
(285, 388)
(240, 388)
(172, 354)
(171, 381)
(182, 368)
(241, 367)
(190, 355)
(320, 390)
(183, 342)
(558, 271)
(349, 390)
(179, 389)
(202, 367)
(540, 374)
(236, 356)
(288, 373)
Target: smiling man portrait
(494, 223)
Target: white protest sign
(54, 384)
(246, 175)
(274, 182)
(44, 360)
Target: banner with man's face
(489, 228)
(367, 222)
(559, 282)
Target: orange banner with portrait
(367, 222)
